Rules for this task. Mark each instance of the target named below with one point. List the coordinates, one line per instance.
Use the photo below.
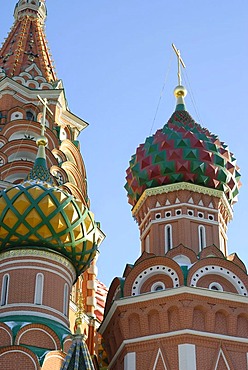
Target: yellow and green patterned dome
(37, 213)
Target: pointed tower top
(40, 170)
(32, 8)
(180, 91)
(25, 54)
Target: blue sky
(114, 57)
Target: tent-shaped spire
(78, 357)
(26, 43)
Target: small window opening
(168, 238)
(30, 116)
(39, 283)
(5, 290)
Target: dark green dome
(182, 151)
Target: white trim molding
(130, 361)
(187, 356)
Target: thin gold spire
(180, 63)
(180, 92)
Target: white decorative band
(13, 253)
(151, 271)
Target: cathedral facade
(181, 306)
(183, 303)
(51, 301)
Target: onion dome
(37, 213)
(182, 151)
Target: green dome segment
(182, 151)
(40, 215)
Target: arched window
(30, 116)
(216, 286)
(39, 283)
(66, 300)
(147, 244)
(201, 237)
(159, 285)
(168, 238)
(5, 290)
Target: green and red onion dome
(182, 151)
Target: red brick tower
(48, 236)
(183, 304)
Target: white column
(187, 357)
(130, 361)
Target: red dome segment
(182, 151)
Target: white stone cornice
(52, 256)
(14, 87)
(173, 334)
(173, 292)
(181, 186)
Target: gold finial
(180, 62)
(43, 140)
(180, 92)
(79, 313)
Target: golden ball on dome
(180, 91)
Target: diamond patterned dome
(182, 151)
(40, 215)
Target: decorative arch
(74, 175)
(18, 355)
(221, 322)
(242, 325)
(153, 322)
(73, 155)
(199, 318)
(134, 325)
(38, 335)
(5, 335)
(222, 271)
(154, 270)
(174, 318)
(54, 360)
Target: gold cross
(180, 62)
(45, 108)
